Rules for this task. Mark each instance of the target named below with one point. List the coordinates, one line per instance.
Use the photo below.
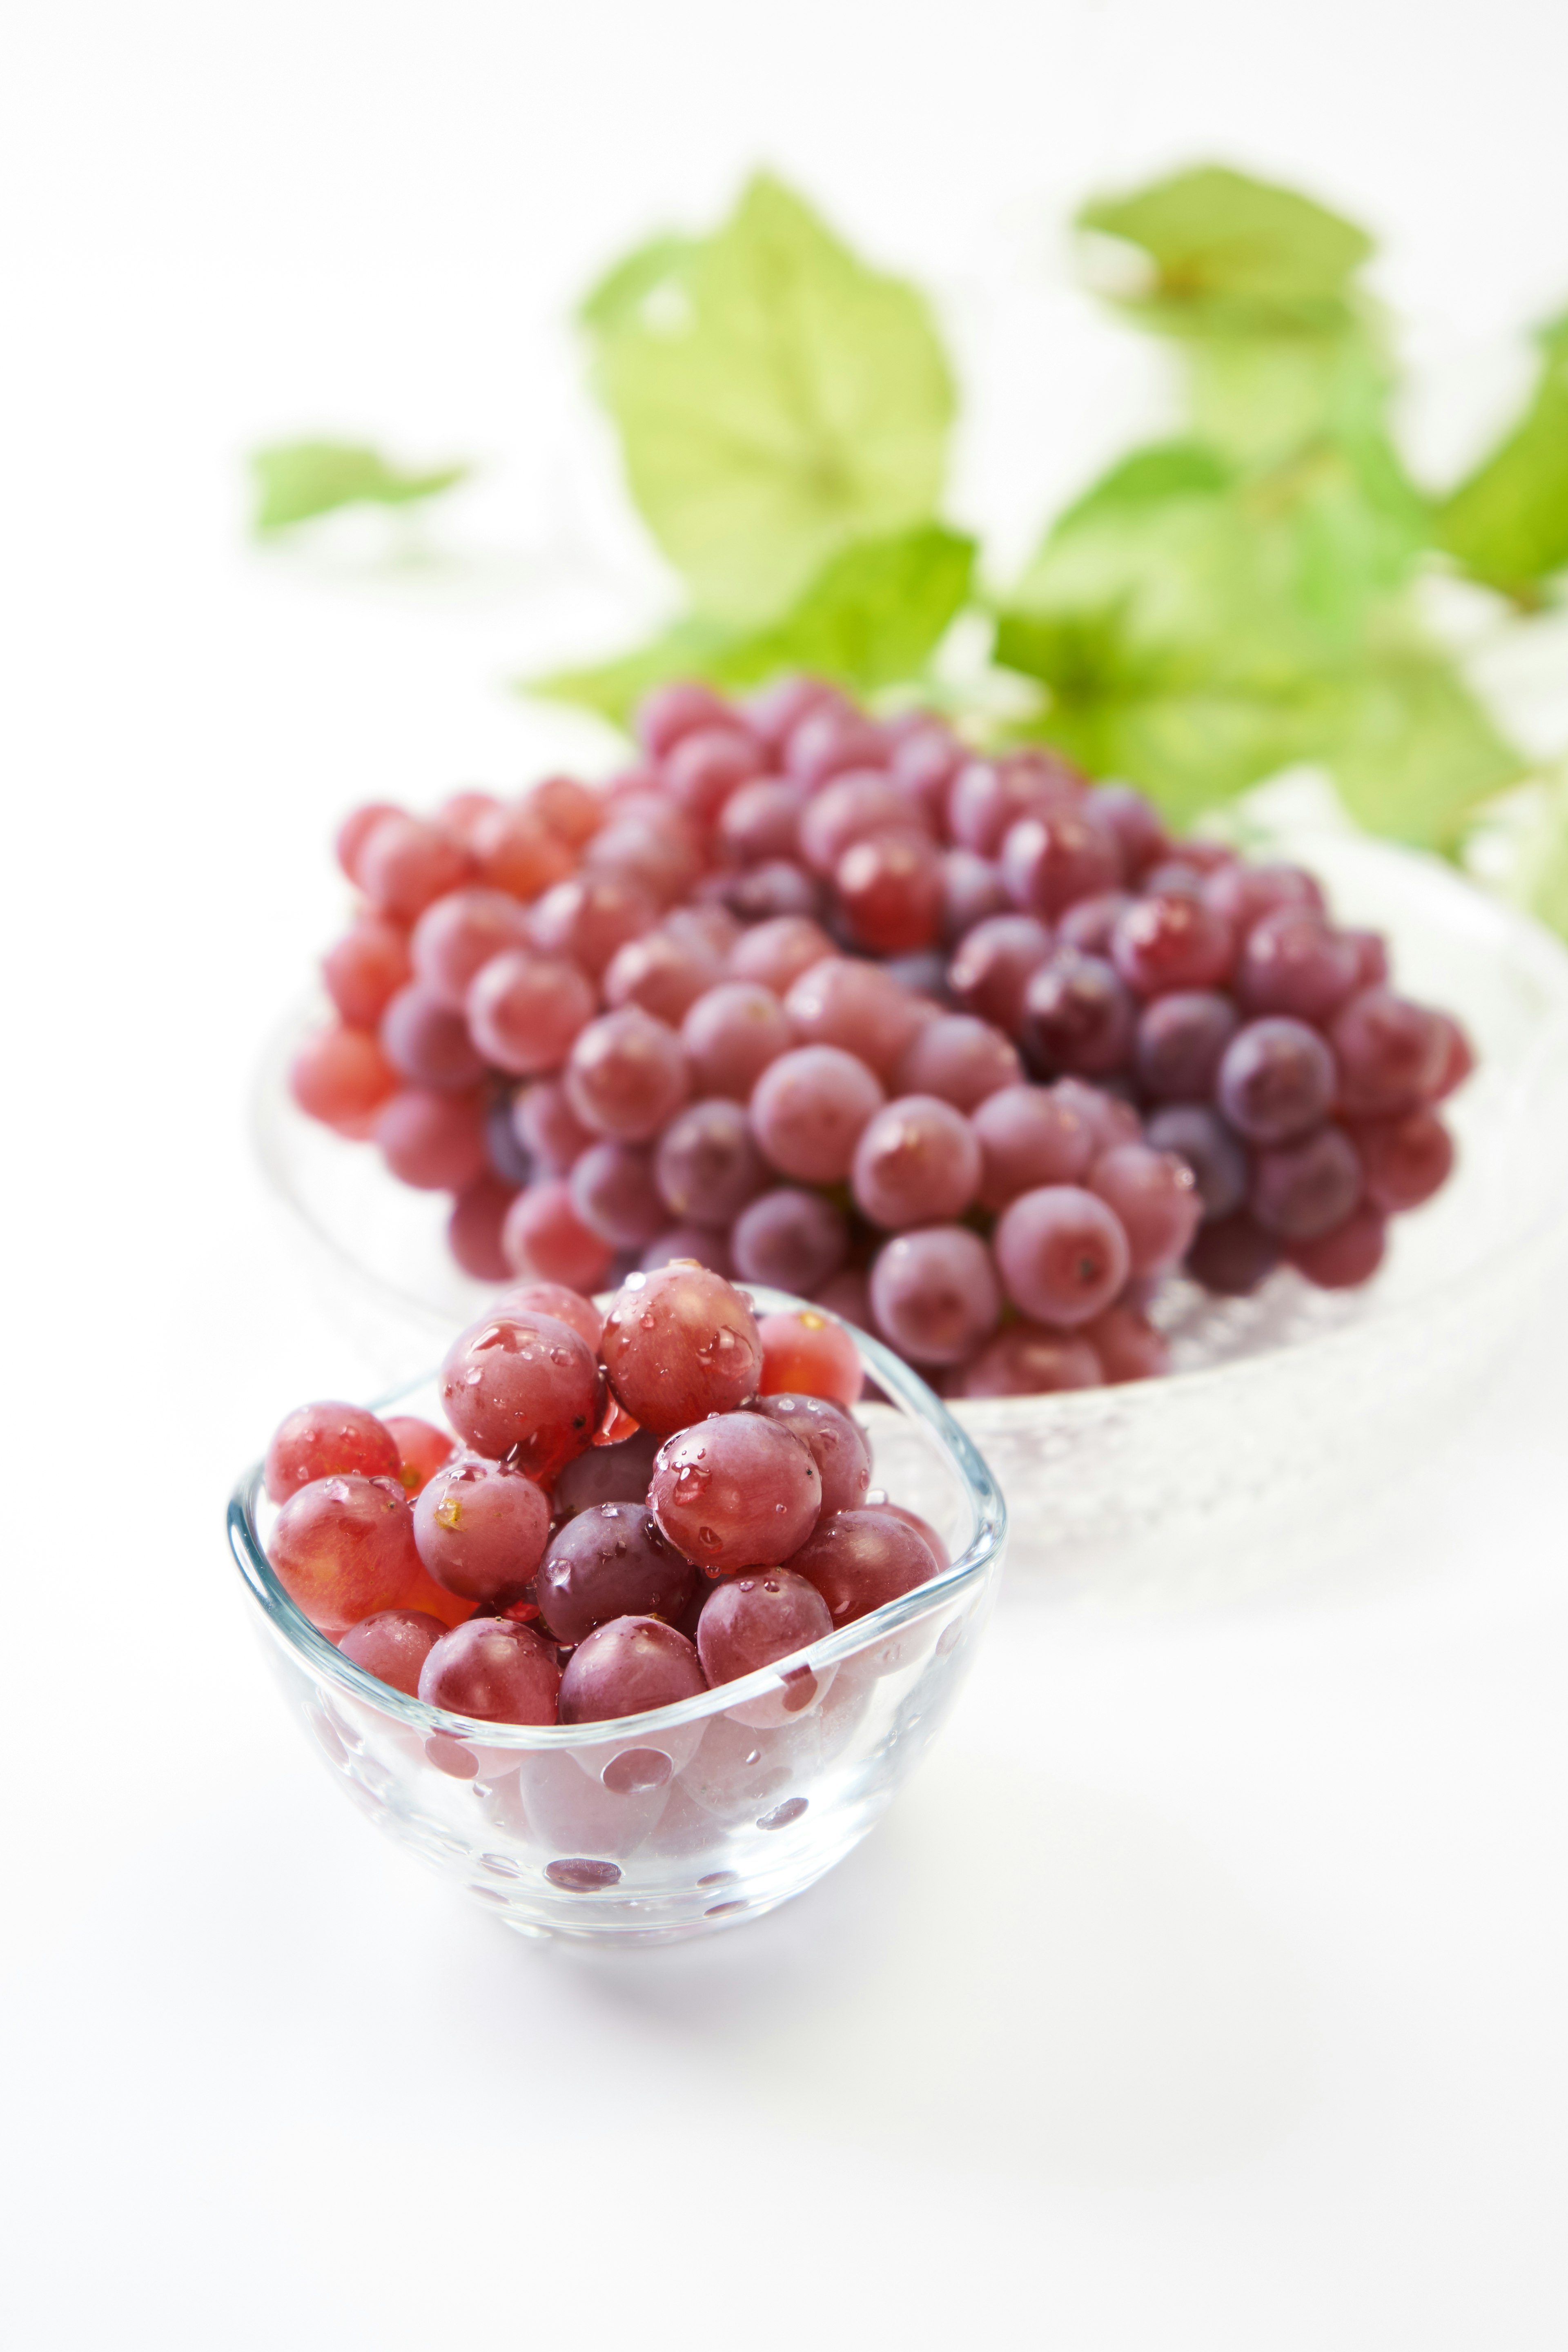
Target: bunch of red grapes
(963, 1046)
(632, 1510)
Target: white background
(1208, 1989)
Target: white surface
(1208, 1989)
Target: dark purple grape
(606, 1473)
(971, 890)
(1294, 963)
(791, 1238)
(510, 1158)
(1078, 1016)
(924, 975)
(629, 1667)
(611, 1561)
(1275, 1080)
(934, 1294)
(859, 1560)
(1232, 1255)
(1308, 1188)
(1391, 1054)
(835, 1441)
(1172, 941)
(1091, 926)
(1348, 1256)
(1201, 1138)
(678, 1344)
(707, 1167)
(735, 1491)
(1180, 1040)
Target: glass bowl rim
(912, 1400)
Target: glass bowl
(692, 1818)
(1282, 1408)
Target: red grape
(421, 1450)
(1244, 894)
(854, 807)
(761, 821)
(525, 1387)
(516, 852)
(1156, 1202)
(730, 1036)
(607, 1473)
(626, 1075)
(735, 1491)
(403, 864)
(1048, 863)
(365, 969)
(1305, 1188)
(1091, 925)
(1348, 1256)
(1028, 1137)
(355, 830)
(988, 797)
(1275, 1080)
(808, 1110)
(587, 918)
(1403, 1160)
(792, 1238)
(1127, 1345)
(457, 936)
(776, 953)
(664, 975)
(611, 1561)
(835, 1441)
(1391, 1054)
(859, 1560)
(1232, 1255)
(934, 1294)
(916, 1163)
(1139, 835)
(630, 1667)
(1181, 1038)
(960, 1058)
(526, 1012)
(1061, 1252)
(848, 1294)
(889, 893)
(972, 892)
(569, 807)
(428, 1044)
(993, 967)
(1077, 1015)
(475, 1227)
(341, 1077)
(775, 711)
(924, 762)
(1170, 941)
(612, 1193)
(678, 1344)
(704, 768)
(433, 1141)
(831, 742)
(566, 1305)
(753, 1621)
(668, 712)
(393, 1645)
(857, 1007)
(481, 1528)
(703, 1246)
(1294, 963)
(1372, 960)
(1025, 1359)
(1216, 1160)
(321, 1440)
(495, 1670)
(655, 857)
(549, 1128)
(544, 1239)
(707, 1167)
(1109, 1120)
(805, 1351)
(342, 1548)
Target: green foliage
(776, 400)
(294, 481)
(1508, 522)
(1212, 235)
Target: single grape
(494, 1670)
(706, 926)
(735, 1491)
(1108, 1118)
(1170, 942)
(1275, 1080)
(421, 1450)
(807, 1351)
(544, 1239)
(808, 1110)
(1091, 925)
(889, 893)
(707, 1167)
(1348, 1256)
(1218, 1160)
(433, 1141)
(664, 975)
(1077, 1015)
(1180, 1040)
(766, 893)
(324, 1441)
(916, 1163)
(1028, 1136)
(1139, 834)
(1391, 1054)
(567, 1305)
(1403, 1160)
(791, 1238)
(941, 1557)
(706, 766)
(626, 1075)
(972, 892)
(1293, 962)
(657, 858)
(457, 936)
(960, 1058)
(365, 969)
(831, 742)
(1061, 1253)
(761, 821)
(774, 954)
(933, 1294)
(776, 711)
(859, 1560)
(404, 864)
(611, 1561)
(475, 1224)
(630, 1667)
(341, 1077)
(393, 1645)
(678, 1344)
(427, 1044)
(988, 797)
(854, 1006)
(571, 809)
(993, 967)
(549, 1128)
(835, 1443)
(854, 807)
(587, 918)
(342, 1548)
(753, 1621)
(1306, 1188)
(1048, 863)
(1127, 1345)
(613, 1192)
(524, 1388)
(607, 1473)
(668, 712)
(481, 1528)
(355, 830)
(460, 812)
(515, 852)
(704, 1245)
(1232, 1255)
(1156, 1201)
(1244, 894)
(1026, 1359)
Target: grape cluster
(629, 1511)
(965, 1047)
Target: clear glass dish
(696, 1817)
(1282, 1406)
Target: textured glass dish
(1283, 1405)
(696, 1817)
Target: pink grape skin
(761, 821)
(988, 797)
(493, 1670)
(1292, 962)
(1371, 959)
(853, 808)
(457, 936)
(1275, 1080)
(1201, 1138)
(923, 764)
(707, 1167)
(355, 830)
(1303, 1190)
(1139, 835)
(510, 1158)
(753, 1621)
(857, 1007)
(666, 976)
(626, 1075)
(970, 893)
(607, 1473)
(1173, 877)
(916, 1163)
(776, 953)
(735, 1491)
(1025, 1359)
(933, 1294)
(1091, 926)
(422, 1448)
(1168, 942)
(475, 1226)
(1403, 1160)
(775, 889)
(704, 768)
(831, 742)
(941, 1557)
(342, 1548)
(668, 712)
(544, 1239)
(1028, 1137)
(549, 1128)
(1061, 1253)
(587, 918)
(889, 893)
(567, 1305)
(792, 1238)
(630, 1667)
(705, 925)
(993, 967)
(704, 1245)
(404, 864)
(1156, 1201)
(524, 1388)
(730, 1035)
(1391, 1054)
(1077, 1015)
(365, 969)
(574, 810)
(656, 858)
(1048, 863)
(612, 1193)
(960, 1058)
(1233, 1256)
(611, 1561)
(1348, 1256)
(428, 1044)
(859, 1560)
(1244, 894)
(808, 1354)
(678, 1344)
(436, 1142)
(833, 1438)
(809, 1109)
(324, 1441)
(1109, 1120)
(848, 1294)
(481, 1528)
(393, 1645)
(775, 711)
(1181, 1038)
(516, 852)
(1128, 1345)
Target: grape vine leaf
(1508, 522)
(295, 481)
(776, 399)
(1212, 235)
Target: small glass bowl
(666, 1825)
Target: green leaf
(776, 400)
(871, 618)
(1211, 234)
(297, 480)
(1508, 522)
(1409, 746)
